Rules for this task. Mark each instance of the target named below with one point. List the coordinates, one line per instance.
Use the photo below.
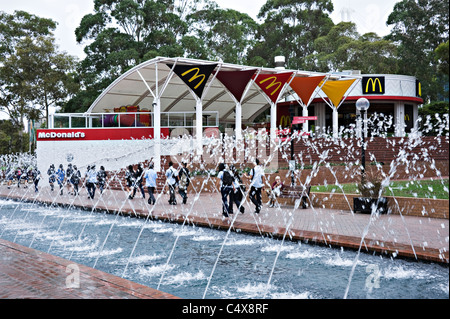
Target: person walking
(256, 177)
(138, 176)
(238, 190)
(60, 176)
(171, 175)
(101, 179)
(91, 176)
(18, 175)
(131, 180)
(184, 181)
(36, 175)
(75, 179)
(150, 182)
(226, 189)
(51, 176)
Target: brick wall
(378, 148)
(407, 206)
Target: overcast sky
(369, 15)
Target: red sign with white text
(98, 134)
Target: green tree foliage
(220, 34)
(419, 27)
(12, 139)
(344, 49)
(289, 28)
(123, 33)
(33, 75)
(442, 56)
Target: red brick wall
(378, 148)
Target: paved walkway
(404, 236)
(26, 273)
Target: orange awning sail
(335, 90)
(305, 87)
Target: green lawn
(422, 189)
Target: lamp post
(362, 105)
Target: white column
(157, 133)
(399, 119)
(238, 122)
(335, 123)
(305, 113)
(199, 125)
(273, 121)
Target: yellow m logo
(374, 82)
(273, 83)
(286, 120)
(195, 76)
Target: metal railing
(131, 119)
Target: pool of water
(179, 259)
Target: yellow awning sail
(335, 90)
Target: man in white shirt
(256, 177)
(171, 173)
(150, 182)
(91, 176)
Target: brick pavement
(26, 273)
(404, 236)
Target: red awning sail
(235, 81)
(272, 84)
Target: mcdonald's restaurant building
(136, 116)
(394, 99)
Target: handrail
(134, 119)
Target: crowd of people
(25, 176)
(71, 178)
(232, 188)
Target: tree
(33, 75)
(419, 27)
(344, 49)
(123, 33)
(12, 140)
(220, 34)
(289, 29)
(442, 57)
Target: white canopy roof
(141, 84)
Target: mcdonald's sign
(285, 121)
(273, 83)
(373, 85)
(418, 88)
(194, 76)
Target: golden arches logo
(374, 82)
(195, 76)
(273, 83)
(286, 119)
